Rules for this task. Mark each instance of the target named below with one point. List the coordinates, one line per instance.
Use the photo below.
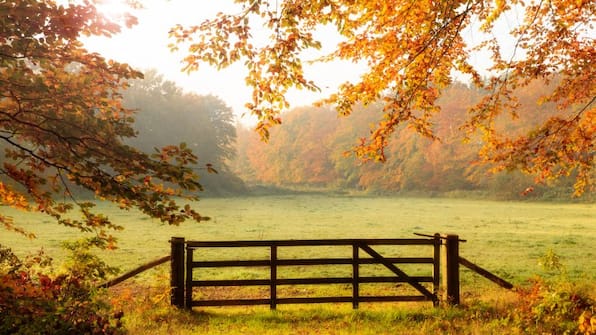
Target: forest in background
(167, 115)
(311, 151)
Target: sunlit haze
(145, 46)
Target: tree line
(412, 52)
(313, 150)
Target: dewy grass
(485, 311)
(506, 238)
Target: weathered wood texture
(177, 272)
(183, 263)
(135, 272)
(450, 264)
(485, 273)
(373, 257)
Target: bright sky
(145, 46)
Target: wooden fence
(445, 256)
(364, 252)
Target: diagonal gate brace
(397, 271)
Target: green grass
(149, 316)
(507, 238)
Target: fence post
(451, 269)
(189, 268)
(273, 275)
(355, 276)
(436, 267)
(177, 272)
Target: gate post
(177, 272)
(451, 269)
(355, 276)
(273, 277)
(436, 267)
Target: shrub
(555, 305)
(36, 300)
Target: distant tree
(62, 124)
(165, 114)
(413, 49)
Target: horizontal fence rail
(310, 243)
(362, 251)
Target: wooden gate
(364, 252)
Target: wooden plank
(485, 273)
(314, 261)
(188, 290)
(234, 302)
(451, 269)
(231, 263)
(308, 281)
(314, 281)
(231, 282)
(273, 277)
(355, 276)
(264, 282)
(346, 261)
(420, 279)
(313, 300)
(394, 298)
(309, 261)
(317, 300)
(135, 272)
(177, 267)
(440, 237)
(296, 243)
(307, 300)
(436, 267)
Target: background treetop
(413, 51)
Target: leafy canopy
(413, 50)
(62, 124)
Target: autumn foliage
(35, 299)
(312, 151)
(62, 124)
(413, 52)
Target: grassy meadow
(507, 238)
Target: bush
(555, 305)
(36, 300)
(555, 308)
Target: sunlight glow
(119, 11)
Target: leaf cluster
(36, 300)
(556, 307)
(413, 51)
(63, 125)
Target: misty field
(507, 238)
